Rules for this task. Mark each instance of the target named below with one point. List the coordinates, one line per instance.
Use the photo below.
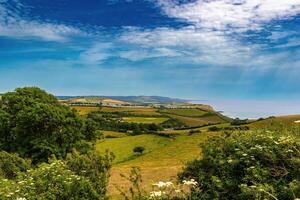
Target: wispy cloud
(13, 25)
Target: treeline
(114, 122)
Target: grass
(112, 134)
(276, 122)
(137, 111)
(146, 120)
(163, 157)
(84, 110)
(122, 147)
(191, 112)
(198, 121)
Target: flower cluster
(168, 190)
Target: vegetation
(138, 149)
(36, 126)
(145, 120)
(259, 165)
(46, 150)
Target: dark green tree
(35, 125)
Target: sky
(230, 53)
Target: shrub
(248, 165)
(237, 122)
(49, 181)
(138, 149)
(11, 165)
(214, 128)
(93, 167)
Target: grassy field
(83, 110)
(145, 120)
(138, 111)
(276, 122)
(198, 121)
(192, 112)
(123, 147)
(163, 157)
(112, 134)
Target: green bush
(138, 149)
(247, 165)
(11, 165)
(92, 166)
(49, 182)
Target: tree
(35, 125)
(138, 149)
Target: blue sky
(195, 49)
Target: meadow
(145, 120)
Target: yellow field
(84, 110)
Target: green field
(162, 160)
(112, 134)
(192, 112)
(145, 120)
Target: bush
(214, 128)
(237, 122)
(49, 181)
(93, 167)
(138, 149)
(248, 166)
(11, 165)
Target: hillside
(128, 99)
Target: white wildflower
(190, 182)
(21, 198)
(162, 184)
(155, 194)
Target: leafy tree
(35, 125)
(138, 149)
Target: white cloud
(215, 36)
(13, 25)
(237, 15)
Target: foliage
(214, 128)
(248, 165)
(139, 149)
(49, 181)
(113, 122)
(161, 190)
(92, 166)
(11, 165)
(237, 122)
(35, 125)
